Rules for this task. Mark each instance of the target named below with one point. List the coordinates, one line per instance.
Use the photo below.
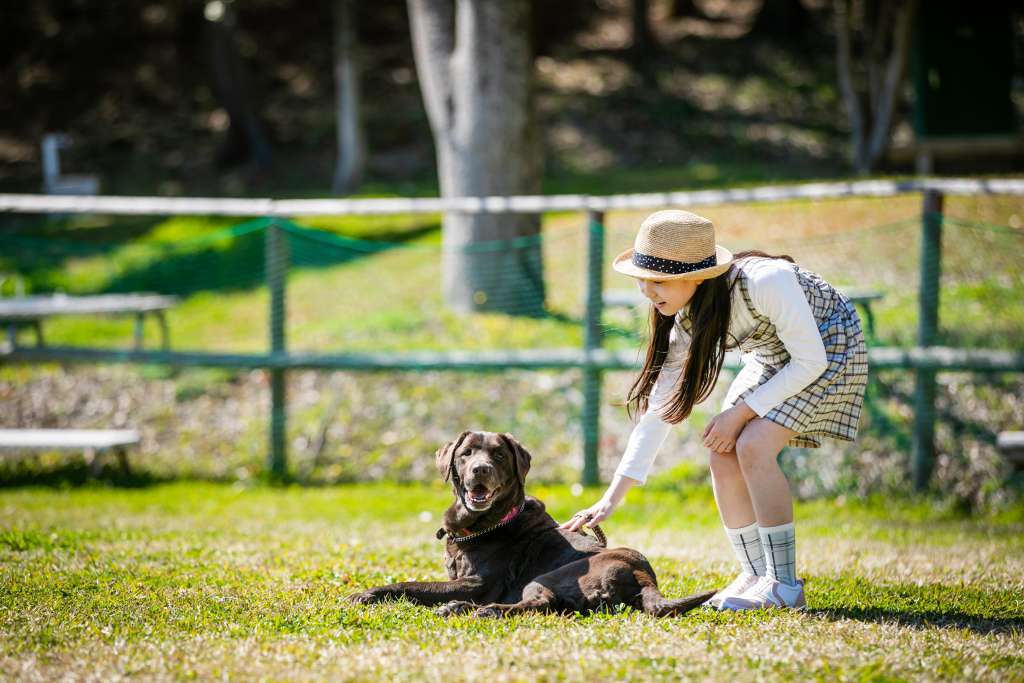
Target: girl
(804, 376)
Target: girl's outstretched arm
(645, 440)
(603, 508)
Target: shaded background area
(710, 99)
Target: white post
(52, 142)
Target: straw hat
(674, 245)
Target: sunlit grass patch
(204, 580)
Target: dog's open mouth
(480, 497)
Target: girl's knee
(760, 441)
(748, 448)
(723, 464)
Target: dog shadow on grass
(928, 619)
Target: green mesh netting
(348, 294)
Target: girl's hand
(722, 431)
(592, 515)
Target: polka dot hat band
(674, 245)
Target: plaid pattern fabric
(780, 552)
(746, 542)
(830, 405)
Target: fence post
(923, 449)
(592, 341)
(277, 258)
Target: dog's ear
(446, 453)
(521, 457)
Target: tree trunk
(475, 73)
(844, 64)
(643, 41)
(872, 105)
(246, 140)
(891, 84)
(351, 161)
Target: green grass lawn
(200, 580)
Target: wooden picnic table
(32, 310)
(629, 298)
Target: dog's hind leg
(536, 598)
(498, 610)
(455, 607)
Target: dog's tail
(657, 605)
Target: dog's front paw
(453, 608)
(364, 598)
(489, 611)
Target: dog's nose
(482, 468)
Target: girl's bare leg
(757, 452)
(731, 495)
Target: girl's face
(668, 296)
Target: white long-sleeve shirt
(775, 293)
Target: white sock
(780, 551)
(747, 543)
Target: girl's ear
(521, 457)
(445, 454)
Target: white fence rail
(40, 203)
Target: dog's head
(483, 467)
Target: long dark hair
(709, 313)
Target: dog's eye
(465, 453)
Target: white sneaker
(767, 592)
(741, 583)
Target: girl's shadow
(928, 619)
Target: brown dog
(505, 554)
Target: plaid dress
(831, 404)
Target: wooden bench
(32, 310)
(924, 152)
(1011, 446)
(626, 298)
(94, 443)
